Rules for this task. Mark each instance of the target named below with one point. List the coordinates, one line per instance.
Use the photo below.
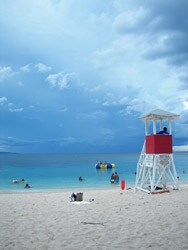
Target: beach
(106, 219)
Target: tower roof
(159, 114)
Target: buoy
(123, 184)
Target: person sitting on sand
(27, 186)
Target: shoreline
(74, 189)
(60, 190)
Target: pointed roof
(159, 114)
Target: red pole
(122, 184)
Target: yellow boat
(15, 181)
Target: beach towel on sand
(80, 202)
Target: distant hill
(6, 153)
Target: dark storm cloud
(172, 13)
(184, 117)
(184, 85)
(162, 24)
(173, 22)
(174, 50)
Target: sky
(76, 75)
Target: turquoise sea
(61, 171)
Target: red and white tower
(156, 168)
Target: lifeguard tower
(156, 171)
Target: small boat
(105, 166)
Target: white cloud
(93, 115)
(69, 140)
(3, 99)
(109, 103)
(112, 101)
(5, 73)
(155, 83)
(26, 68)
(63, 110)
(3, 148)
(124, 67)
(106, 131)
(98, 19)
(97, 114)
(123, 100)
(107, 134)
(185, 105)
(180, 148)
(95, 89)
(118, 51)
(16, 110)
(135, 105)
(60, 80)
(31, 106)
(42, 68)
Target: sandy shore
(114, 220)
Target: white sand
(114, 220)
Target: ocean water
(61, 171)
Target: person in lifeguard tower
(163, 132)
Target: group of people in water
(22, 181)
(114, 178)
(15, 181)
(103, 164)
